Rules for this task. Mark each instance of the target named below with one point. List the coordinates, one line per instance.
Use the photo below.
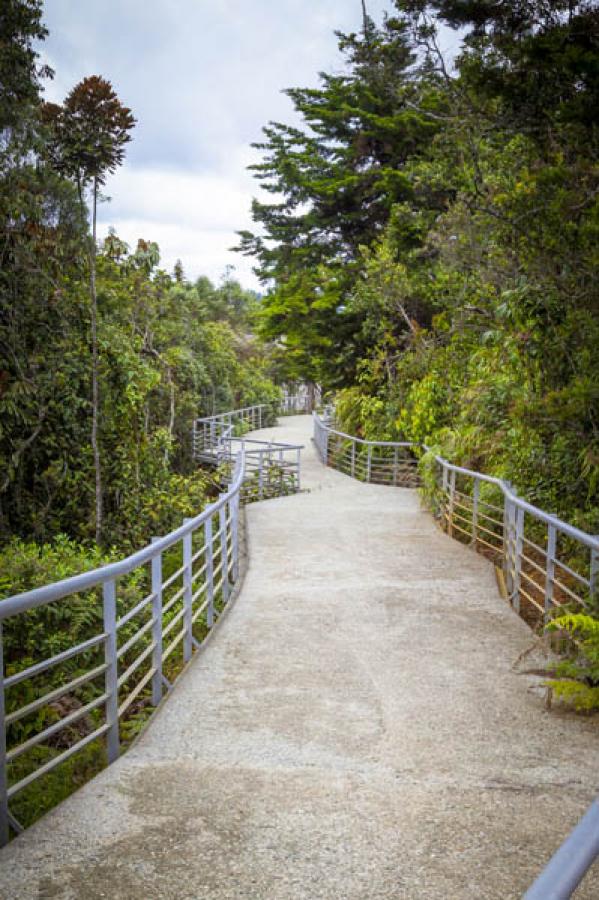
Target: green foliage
(578, 677)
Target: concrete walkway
(353, 730)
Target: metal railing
(546, 562)
(210, 432)
(375, 462)
(147, 614)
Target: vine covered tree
(88, 137)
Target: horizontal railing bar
(78, 583)
(133, 612)
(55, 727)
(199, 591)
(532, 601)
(199, 572)
(52, 763)
(136, 691)
(38, 668)
(480, 540)
(530, 579)
(173, 577)
(198, 553)
(569, 864)
(133, 640)
(135, 664)
(572, 572)
(568, 591)
(172, 600)
(462, 530)
(167, 652)
(55, 694)
(177, 618)
(200, 609)
(531, 562)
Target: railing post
(187, 593)
(475, 497)
(4, 834)
(157, 627)
(507, 543)
(369, 464)
(395, 466)
(518, 546)
(260, 475)
(209, 572)
(550, 569)
(259, 417)
(594, 572)
(111, 674)
(298, 469)
(235, 535)
(224, 554)
(451, 503)
(353, 459)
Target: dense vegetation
(431, 245)
(104, 358)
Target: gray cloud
(202, 79)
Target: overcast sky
(202, 78)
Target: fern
(577, 680)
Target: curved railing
(375, 462)
(485, 512)
(529, 544)
(148, 613)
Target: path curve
(353, 729)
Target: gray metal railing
(375, 462)
(148, 613)
(210, 432)
(547, 564)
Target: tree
(87, 143)
(20, 74)
(336, 180)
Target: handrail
(75, 584)
(132, 640)
(550, 581)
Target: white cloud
(202, 78)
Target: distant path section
(352, 730)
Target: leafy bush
(577, 680)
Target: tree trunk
(95, 385)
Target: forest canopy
(105, 358)
(430, 248)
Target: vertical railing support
(594, 572)
(395, 466)
(259, 417)
(111, 674)
(451, 503)
(353, 459)
(369, 463)
(157, 627)
(550, 569)
(4, 835)
(187, 593)
(507, 544)
(209, 572)
(224, 553)
(298, 469)
(518, 547)
(475, 498)
(235, 536)
(260, 475)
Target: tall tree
(335, 181)
(89, 133)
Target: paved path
(353, 730)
